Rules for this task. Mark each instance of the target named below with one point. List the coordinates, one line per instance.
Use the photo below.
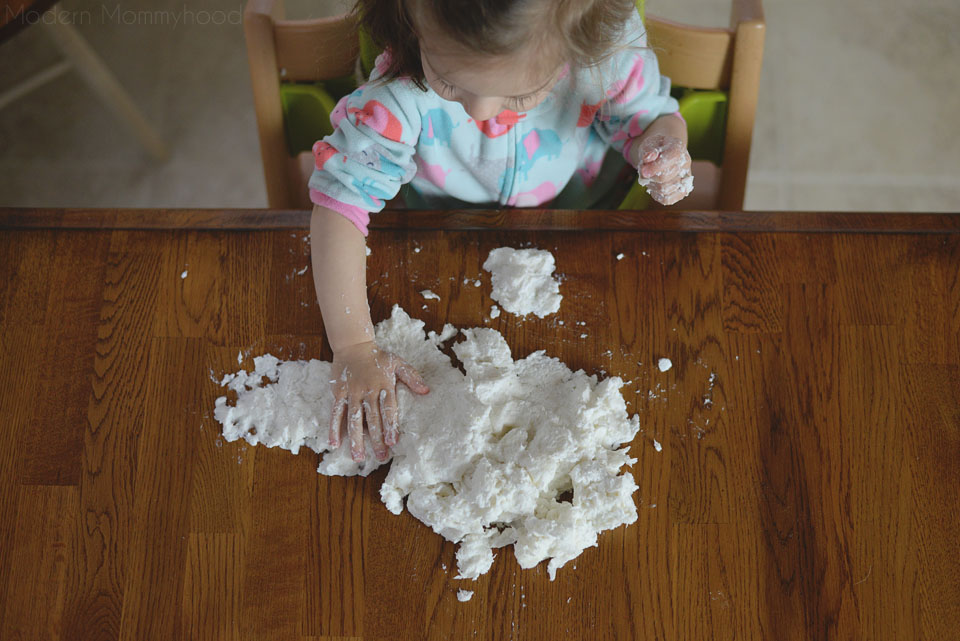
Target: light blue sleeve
(635, 93)
(369, 155)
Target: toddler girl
(494, 103)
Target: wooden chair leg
(47, 75)
(82, 56)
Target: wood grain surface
(808, 486)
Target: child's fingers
(672, 192)
(371, 409)
(667, 200)
(668, 176)
(411, 378)
(355, 429)
(657, 168)
(336, 421)
(656, 146)
(669, 165)
(667, 195)
(388, 410)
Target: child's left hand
(664, 168)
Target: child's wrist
(671, 124)
(347, 342)
(347, 351)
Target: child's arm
(660, 155)
(365, 378)
(639, 118)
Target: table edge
(494, 220)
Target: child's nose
(481, 109)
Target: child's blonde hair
(580, 32)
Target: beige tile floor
(859, 107)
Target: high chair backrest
(295, 51)
(278, 51)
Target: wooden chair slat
(695, 57)
(311, 50)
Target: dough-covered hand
(365, 386)
(664, 168)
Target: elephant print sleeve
(636, 94)
(369, 155)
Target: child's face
(484, 85)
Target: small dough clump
(429, 295)
(523, 452)
(523, 281)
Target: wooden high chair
(718, 59)
(699, 58)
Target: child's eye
(521, 102)
(446, 87)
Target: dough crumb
(429, 295)
(620, 256)
(464, 595)
(183, 274)
(657, 446)
(494, 312)
(664, 364)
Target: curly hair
(582, 33)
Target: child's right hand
(665, 168)
(365, 384)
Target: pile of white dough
(522, 281)
(483, 458)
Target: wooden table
(808, 487)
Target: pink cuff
(359, 217)
(627, 146)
